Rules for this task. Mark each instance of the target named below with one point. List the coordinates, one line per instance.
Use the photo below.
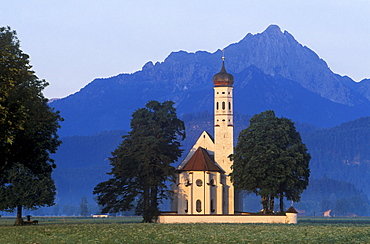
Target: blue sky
(72, 42)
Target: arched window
(229, 105)
(223, 105)
(212, 206)
(186, 206)
(198, 206)
(217, 106)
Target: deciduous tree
(141, 164)
(28, 130)
(271, 160)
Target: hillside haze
(271, 69)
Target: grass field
(130, 230)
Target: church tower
(203, 182)
(224, 131)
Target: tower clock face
(199, 182)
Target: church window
(199, 182)
(212, 206)
(223, 105)
(198, 206)
(229, 105)
(186, 206)
(212, 182)
(217, 105)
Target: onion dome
(223, 78)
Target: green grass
(128, 230)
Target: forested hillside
(343, 198)
(342, 152)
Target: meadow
(130, 230)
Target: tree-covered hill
(342, 152)
(341, 197)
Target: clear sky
(71, 42)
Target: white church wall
(283, 219)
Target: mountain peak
(273, 29)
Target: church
(204, 192)
(203, 182)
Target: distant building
(203, 183)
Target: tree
(271, 160)
(28, 129)
(141, 164)
(28, 126)
(14, 67)
(21, 188)
(83, 207)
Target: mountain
(271, 69)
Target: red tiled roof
(201, 161)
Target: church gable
(201, 161)
(205, 141)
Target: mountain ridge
(258, 62)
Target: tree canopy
(271, 160)
(141, 165)
(28, 131)
(27, 123)
(21, 188)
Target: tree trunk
(265, 204)
(154, 204)
(272, 203)
(19, 220)
(281, 203)
(146, 199)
